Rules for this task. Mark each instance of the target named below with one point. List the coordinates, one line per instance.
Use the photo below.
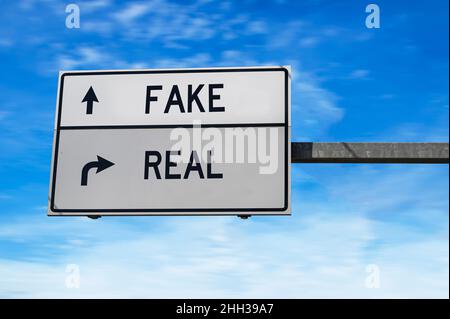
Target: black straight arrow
(101, 164)
(89, 98)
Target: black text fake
(175, 101)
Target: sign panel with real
(172, 142)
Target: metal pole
(342, 152)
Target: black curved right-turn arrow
(101, 164)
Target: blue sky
(349, 83)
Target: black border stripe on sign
(171, 211)
(137, 127)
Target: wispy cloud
(359, 74)
(5, 196)
(344, 217)
(358, 220)
(316, 107)
(94, 5)
(3, 115)
(134, 11)
(309, 42)
(85, 56)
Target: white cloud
(133, 11)
(309, 42)
(84, 56)
(173, 23)
(322, 251)
(3, 114)
(4, 42)
(90, 57)
(94, 5)
(237, 58)
(289, 35)
(315, 106)
(197, 60)
(4, 196)
(359, 74)
(387, 96)
(103, 28)
(257, 27)
(313, 254)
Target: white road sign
(172, 142)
